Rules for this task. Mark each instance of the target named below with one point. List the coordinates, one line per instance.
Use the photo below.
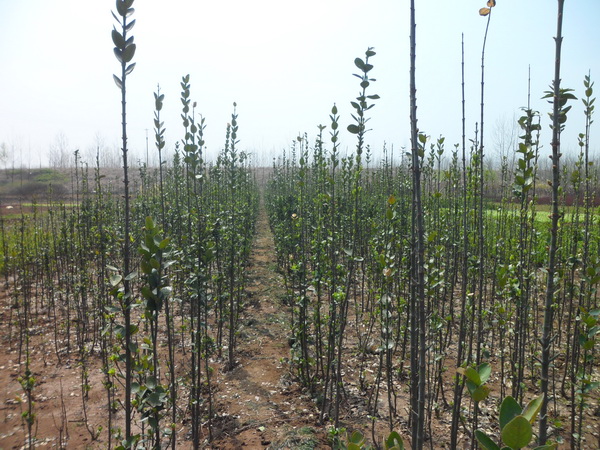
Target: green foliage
(515, 425)
(476, 379)
(565, 94)
(124, 47)
(361, 106)
(155, 251)
(357, 441)
(342, 225)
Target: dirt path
(264, 407)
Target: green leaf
(360, 64)
(356, 438)
(152, 423)
(473, 376)
(165, 292)
(155, 400)
(509, 409)
(148, 294)
(131, 276)
(389, 214)
(485, 441)
(118, 39)
(471, 386)
(128, 53)
(118, 54)
(354, 129)
(481, 393)
(484, 370)
(118, 82)
(121, 8)
(393, 441)
(151, 383)
(145, 266)
(517, 433)
(533, 408)
(133, 348)
(115, 279)
(130, 68)
(130, 26)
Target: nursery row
(345, 230)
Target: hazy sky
(285, 64)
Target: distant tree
(59, 156)
(3, 154)
(505, 137)
(107, 156)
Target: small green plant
(27, 381)
(476, 378)
(356, 440)
(515, 426)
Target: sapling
(359, 128)
(559, 99)
(152, 397)
(418, 344)
(124, 51)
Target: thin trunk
(418, 348)
(546, 339)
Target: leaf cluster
(124, 46)
(487, 10)
(476, 378)
(356, 441)
(361, 106)
(515, 426)
(564, 95)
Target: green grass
(542, 212)
(49, 176)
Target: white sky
(285, 63)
